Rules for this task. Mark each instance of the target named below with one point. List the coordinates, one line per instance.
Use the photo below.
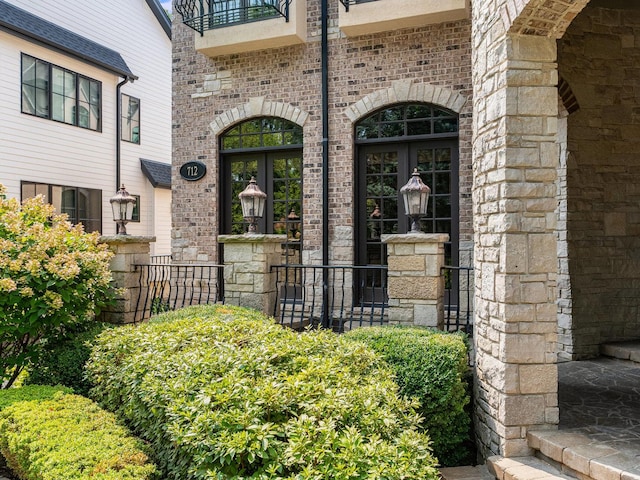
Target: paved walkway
(601, 399)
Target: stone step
(589, 457)
(479, 472)
(524, 468)
(623, 350)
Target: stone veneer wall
(516, 158)
(599, 57)
(434, 58)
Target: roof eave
(30, 36)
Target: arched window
(270, 149)
(390, 143)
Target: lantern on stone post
(252, 200)
(416, 197)
(122, 205)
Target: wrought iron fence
(336, 297)
(167, 286)
(458, 301)
(203, 15)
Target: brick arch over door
(544, 18)
(403, 91)
(258, 107)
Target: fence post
(415, 284)
(248, 280)
(129, 250)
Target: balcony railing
(203, 15)
(346, 3)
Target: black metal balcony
(204, 15)
(346, 3)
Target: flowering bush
(52, 275)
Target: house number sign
(193, 171)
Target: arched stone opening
(598, 58)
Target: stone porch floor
(599, 432)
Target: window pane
(251, 141)
(95, 102)
(392, 129)
(57, 107)
(445, 126)
(70, 85)
(58, 80)
(28, 70)
(29, 99)
(419, 128)
(418, 111)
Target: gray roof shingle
(158, 173)
(22, 23)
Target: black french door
(383, 169)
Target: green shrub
(62, 360)
(430, 366)
(223, 392)
(32, 392)
(52, 275)
(64, 436)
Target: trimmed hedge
(224, 392)
(32, 392)
(47, 434)
(430, 366)
(62, 360)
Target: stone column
(415, 283)
(515, 197)
(248, 281)
(129, 250)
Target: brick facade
(431, 63)
(548, 194)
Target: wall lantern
(122, 205)
(252, 200)
(416, 197)
(293, 221)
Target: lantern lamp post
(122, 205)
(416, 197)
(252, 200)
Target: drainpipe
(119, 129)
(324, 9)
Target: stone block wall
(598, 58)
(431, 62)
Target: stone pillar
(515, 197)
(415, 284)
(129, 251)
(248, 281)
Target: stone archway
(258, 107)
(516, 158)
(406, 91)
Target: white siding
(41, 150)
(162, 216)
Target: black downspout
(119, 130)
(325, 157)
